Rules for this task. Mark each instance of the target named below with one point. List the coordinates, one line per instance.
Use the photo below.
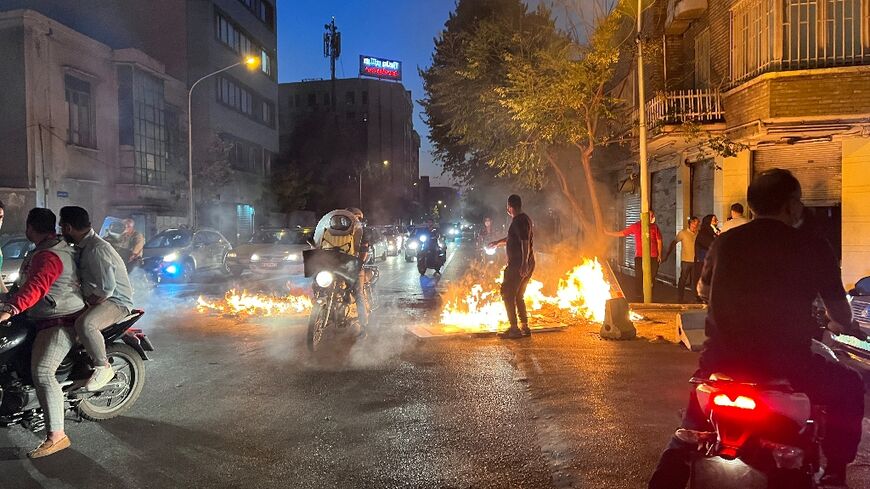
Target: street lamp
(386, 162)
(252, 62)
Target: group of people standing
(70, 288)
(696, 239)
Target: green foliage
(290, 188)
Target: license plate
(269, 265)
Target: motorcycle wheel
(317, 322)
(130, 375)
(421, 267)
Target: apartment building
(742, 86)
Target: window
(796, 34)
(365, 97)
(326, 99)
(80, 106)
(233, 94)
(245, 156)
(702, 60)
(233, 36)
(351, 115)
(267, 113)
(312, 100)
(144, 124)
(350, 98)
(297, 100)
(263, 10)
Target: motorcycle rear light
(740, 402)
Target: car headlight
(255, 257)
(12, 277)
(170, 257)
(232, 254)
(423, 238)
(489, 251)
(324, 279)
(454, 232)
(291, 257)
(413, 245)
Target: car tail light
(739, 402)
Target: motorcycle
(335, 275)
(126, 348)
(432, 253)
(761, 435)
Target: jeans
(833, 385)
(687, 276)
(638, 270)
(362, 303)
(49, 349)
(90, 324)
(513, 291)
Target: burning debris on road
(241, 303)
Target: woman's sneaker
(99, 379)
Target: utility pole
(332, 50)
(644, 170)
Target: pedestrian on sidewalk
(686, 238)
(736, 219)
(655, 239)
(521, 264)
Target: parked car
(177, 254)
(378, 244)
(271, 250)
(14, 249)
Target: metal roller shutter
(244, 222)
(664, 203)
(816, 165)
(630, 215)
(702, 188)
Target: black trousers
(513, 291)
(687, 278)
(834, 385)
(638, 271)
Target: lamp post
(646, 257)
(251, 62)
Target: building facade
(365, 144)
(747, 85)
(234, 114)
(84, 124)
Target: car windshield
(169, 239)
(16, 249)
(279, 236)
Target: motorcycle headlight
(232, 254)
(255, 257)
(413, 245)
(291, 257)
(324, 279)
(423, 238)
(170, 257)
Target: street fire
(581, 294)
(241, 303)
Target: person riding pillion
(52, 299)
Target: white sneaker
(99, 379)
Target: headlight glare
(324, 279)
(12, 277)
(170, 257)
(255, 257)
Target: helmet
(340, 223)
(356, 212)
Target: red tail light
(740, 402)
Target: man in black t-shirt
(521, 264)
(760, 280)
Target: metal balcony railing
(701, 106)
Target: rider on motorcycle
(51, 295)
(343, 229)
(760, 281)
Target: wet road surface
(241, 403)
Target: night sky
(402, 30)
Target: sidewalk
(663, 293)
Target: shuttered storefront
(664, 203)
(630, 215)
(702, 188)
(816, 165)
(244, 222)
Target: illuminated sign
(380, 68)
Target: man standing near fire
(521, 265)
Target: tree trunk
(586, 161)
(579, 214)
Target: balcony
(672, 108)
(681, 13)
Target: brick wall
(833, 92)
(748, 105)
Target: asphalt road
(231, 403)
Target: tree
(512, 91)
(215, 171)
(290, 188)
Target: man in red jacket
(52, 298)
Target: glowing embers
(240, 303)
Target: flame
(244, 303)
(582, 293)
